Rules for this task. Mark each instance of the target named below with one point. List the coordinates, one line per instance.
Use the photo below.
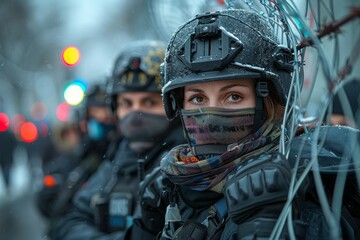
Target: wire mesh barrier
(299, 31)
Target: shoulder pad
(338, 145)
(264, 180)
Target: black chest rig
(115, 205)
(206, 213)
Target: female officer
(227, 79)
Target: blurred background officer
(338, 117)
(67, 173)
(104, 209)
(64, 141)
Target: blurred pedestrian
(8, 145)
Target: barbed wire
(294, 29)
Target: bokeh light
(28, 132)
(38, 111)
(70, 56)
(81, 82)
(74, 94)
(49, 181)
(4, 122)
(63, 111)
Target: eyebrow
(142, 99)
(148, 98)
(221, 89)
(194, 90)
(233, 85)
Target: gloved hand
(153, 206)
(44, 200)
(256, 194)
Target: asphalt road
(19, 217)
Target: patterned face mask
(139, 126)
(217, 125)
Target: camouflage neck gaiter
(217, 125)
(139, 126)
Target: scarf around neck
(210, 173)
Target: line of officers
(213, 171)
(123, 137)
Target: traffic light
(70, 56)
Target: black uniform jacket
(120, 176)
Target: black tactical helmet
(137, 68)
(230, 44)
(96, 96)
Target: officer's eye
(124, 103)
(234, 97)
(197, 99)
(150, 102)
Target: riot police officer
(67, 173)
(227, 79)
(104, 209)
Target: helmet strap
(262, 91)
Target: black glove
(256, 194)
(45, 199)
(153, 206)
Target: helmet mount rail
(210, 47)
(136, 69)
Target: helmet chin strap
(262, 91)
